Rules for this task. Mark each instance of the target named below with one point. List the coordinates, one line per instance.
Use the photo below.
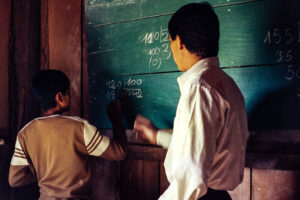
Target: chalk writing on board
(279, 35)
(278, 38)
(108, 4)
(125, 88)
(162, 36)
(293, 72)
(159, 47)
(282, 41)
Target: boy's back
(55, 148)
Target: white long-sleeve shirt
(208, 143)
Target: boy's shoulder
(59, 120)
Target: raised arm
(147, 131)
(102, 146)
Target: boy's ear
(58, 97)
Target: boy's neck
(52, 111)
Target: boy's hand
(145, 129)
(114, 112)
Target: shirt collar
(191, 73)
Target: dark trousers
(216, 195)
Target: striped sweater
(54, 151)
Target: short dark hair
(197, 25)
(46, 84)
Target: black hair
(197, 25)
(46, 84)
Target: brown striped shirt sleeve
(101, 145)
(19, 171)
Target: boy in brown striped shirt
(54, 149)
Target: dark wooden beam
(139, 152)
(25, 62)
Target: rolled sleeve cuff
(164, 137)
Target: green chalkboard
(129, 58)
(102, 12)
(271, 94)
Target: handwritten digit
(290, 73)
(150, 53)
(165, 47)
(133, 82)
(148, 38)
(157, 50)
(139, 81)
(276, 34)
(149, 65)
(289, 56)
(268, 38)
(119, 84)
(156, 36)
(155, 62)
(164, 35)
(167, 50)
(159, 64)
(289, 35)
(139, 93)
(280, 55)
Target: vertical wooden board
(140, 180)
(242, 192)
(275, 185)
(4, 169)
(44, 35)
(150, 180)
(5, 13)
(164, 183)
(85, 91)
(64, 18)
(132, 180)
(105, 179)
(25, 63)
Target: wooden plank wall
(4, 60)
(263, 182)
(5, 16)
(61, 46)
(19, 57)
